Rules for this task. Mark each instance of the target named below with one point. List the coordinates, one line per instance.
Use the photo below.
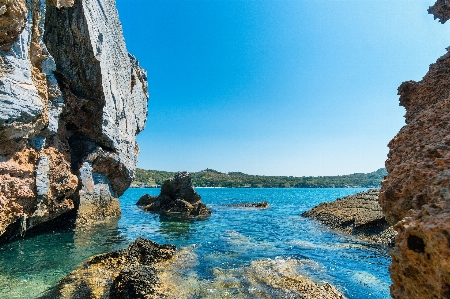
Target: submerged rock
(277, 278)
(359, 215)
(72, 100)
(415, 195)
(259, 205)
(127, 273)
(177, 197)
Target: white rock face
(20, 105)
(72, 100)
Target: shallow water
(224, 245)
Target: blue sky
(277, 87)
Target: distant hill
(214, 178)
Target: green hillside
(213, 178)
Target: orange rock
(416, 192)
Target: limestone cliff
(72, 100)
(416, 193)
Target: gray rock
(42, 179)
(20, 105)
(359, 215)
(177, 197)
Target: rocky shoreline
(359, 215)
(121, 274)
(72, 100)
(148, 270)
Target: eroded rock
(72, 100)
(177, 197)
(359, 215)
(128, 273)
(415, 195)
(13, 17)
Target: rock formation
(259, 205)
(416, 193)
(177, 197)
(122, 274)
(71, 102)
(359, 215)
(148, 270)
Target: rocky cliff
(72, 100)
(416, 193)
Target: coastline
(229, 241)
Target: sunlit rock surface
(148, 270)
(72, 100)
(416, 193)
(128, 273)
(359, 215)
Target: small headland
(177, 198)
(359, 215)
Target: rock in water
(359, 215)
(258, 205)
(415, 195)
(128, 273)
(71, 102)
(177, 197)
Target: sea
(221, 252)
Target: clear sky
(277, 87)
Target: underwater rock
(415, 196)
(177, 197)
(259, 205)
(72, 100)
(277, 278)
(359, 215)
(127, 273)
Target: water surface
(226, 242)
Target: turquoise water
(230, 239)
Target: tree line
(214, 178)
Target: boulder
(177, 197)
(415, 196)
(359, 215)
(127, 273)
(72, 100)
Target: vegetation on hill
(214, 178)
